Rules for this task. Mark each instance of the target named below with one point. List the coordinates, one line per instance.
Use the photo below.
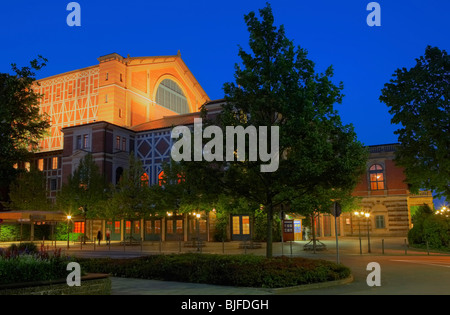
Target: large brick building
(123, 105)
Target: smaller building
(384, 194)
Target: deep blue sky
(208, 34)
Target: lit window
(117, 227)
(54, 163)
(376, 176)
(144, 179)
(27, 166)
(41, 164)
(137, 227)
(78, 227)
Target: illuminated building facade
(123, 105)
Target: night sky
(208, 34)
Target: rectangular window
(53, 184)
(54, 163)
(179, 226)
(117, 227)
(245, 225)
(169, 226)
(127, 227)
(41, 164)
(117, 143)
(148, 227)
(379, 222)
(124, 144)
(78, 143)
(236, 225)
(157, 226)
(78, 227)
(137, 227)
(85, 141)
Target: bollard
(360, 246)
(406, 248)
(223, 246)
(141, 244)
(428, 249)
(160, 244)
(291, 247)
(94, 243)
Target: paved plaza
(403, 270)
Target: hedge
(232, 270)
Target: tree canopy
(418, 98)
(22, 126)
(277, 86)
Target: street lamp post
(69, 217)
(198, 231)
(359, 228)
(367, 215)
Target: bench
(319, 246)
(194, 243)
(250, 245)
(130, 240)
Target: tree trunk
(269, 230)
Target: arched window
(376, 177)
(171, 96)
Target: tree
(28, 191)
(131, 199)
(85, 190)
(21, 123)
(418, 99)
(277, 86)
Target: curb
(311, 286)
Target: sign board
(336, 209)
(288, 230)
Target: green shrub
(26, 268)
(233, 270)
(431, 228)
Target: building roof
(167, 122)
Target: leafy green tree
(418, 98)
(277, 86)
(131, 198)
(85, 190)
(21, 123)
(28, 191)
